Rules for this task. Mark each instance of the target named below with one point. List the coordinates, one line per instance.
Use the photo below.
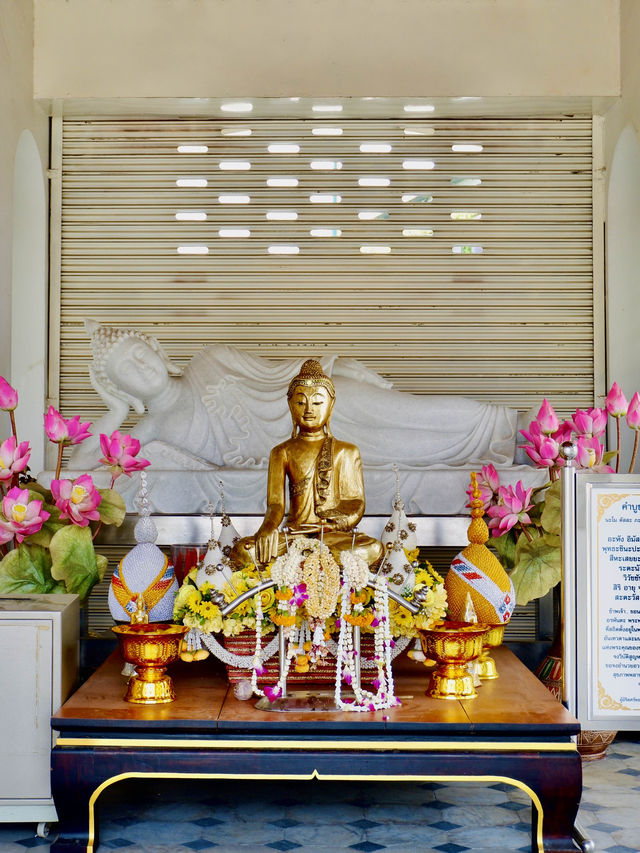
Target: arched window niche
(29, 294)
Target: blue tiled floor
(167, 817)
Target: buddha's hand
(266, 544)
(114, 402)
(335, 520)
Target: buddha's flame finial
(477, 532)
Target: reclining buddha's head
(128, 364)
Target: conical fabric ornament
(215, 568)
(399, 573)
(143, 573)
(477, 572)
(399, 528)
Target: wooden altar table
(513, 732)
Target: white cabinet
(38, 670)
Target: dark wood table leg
(74, 779)
(558, 785)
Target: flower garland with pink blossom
(355, 578)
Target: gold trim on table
(307, 777)
(325, 746)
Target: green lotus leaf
(551, 517)
(537, 567)
(27, 569)
(101, 563)
(74, 560)
(111, 508)
(505, 547)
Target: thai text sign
(612, 602)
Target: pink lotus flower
(14, 457)
(633, 412)
(616, 403)
(564, 432)
(488, 484)
(119, 454)
(590, 453)
(8, 396)
(62, 431)
(512, 508)
(533, 433)
(77, 500)
(22, 517)
(589, 422)
(547, 418)
(545, 452)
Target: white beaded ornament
(140, 567)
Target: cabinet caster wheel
(43, 829)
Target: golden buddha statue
(326, 488)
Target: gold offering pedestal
(150, 648)
(454, 645)
(486, 666)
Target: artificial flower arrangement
(313, 600)
(46, 535)
(526, 522)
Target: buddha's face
(310, 407)
(137, 369)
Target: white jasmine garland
(365, 700)
(230, 658)
(257, 657)
(356, 570)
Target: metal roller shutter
(448, 271)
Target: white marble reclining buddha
(219, 416)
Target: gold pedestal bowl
(150, 648)
(486, 666)
(454, 645)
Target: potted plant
(47, 534)
(526, 524)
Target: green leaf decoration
(537, 567)
(551, 517)
(37, 490)
(505, 547)
(27, 569)
(74, 560)
(101, 563)
(111, 508)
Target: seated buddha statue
(324, 477)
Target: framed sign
(606, 597)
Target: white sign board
(607, 600)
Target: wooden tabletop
(516, 701)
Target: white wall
(18, 113)
(622, 160)
(209, 48)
